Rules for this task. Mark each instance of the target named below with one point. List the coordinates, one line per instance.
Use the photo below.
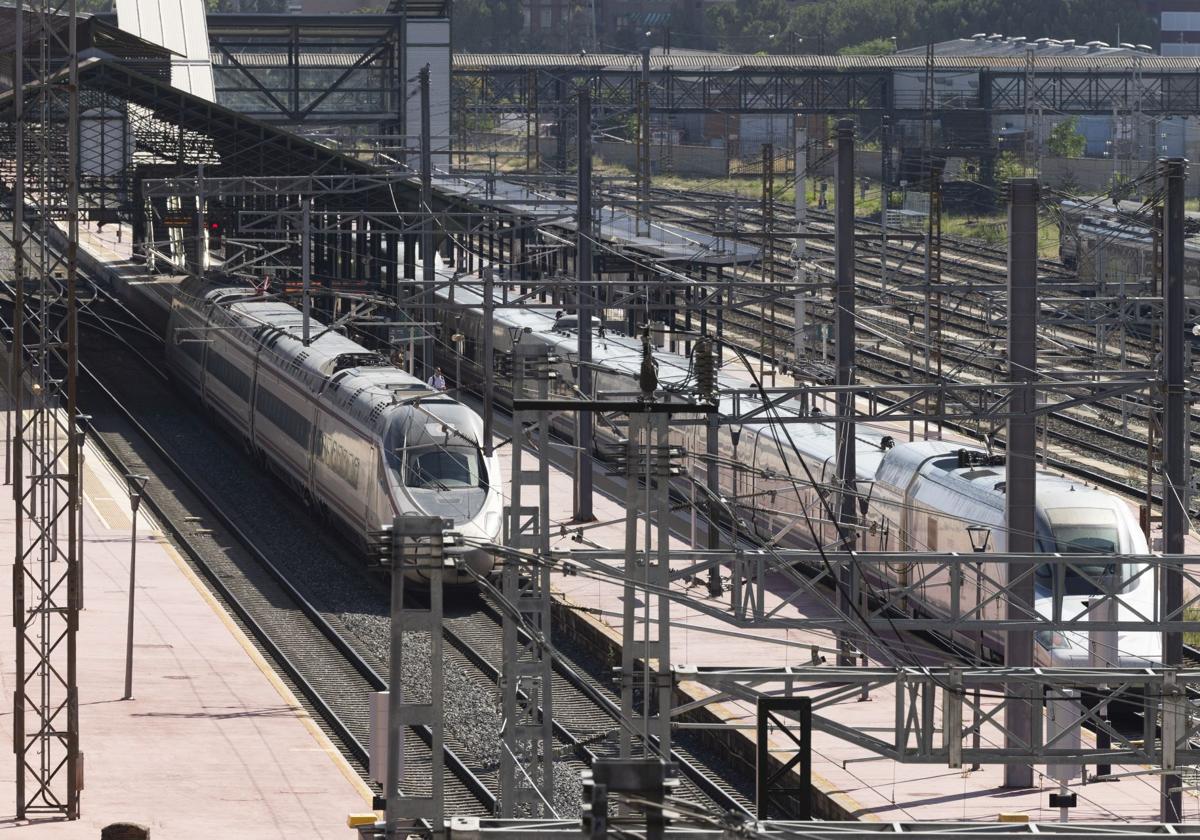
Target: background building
(1179, 25)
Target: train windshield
(1082, 531)
(443, 468)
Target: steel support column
(1020, 478)
(585, 300)
(1175, 433)
(428, 258)
(416, 548)
(847, 512)
(712, 481)
(47, 579)
(647, 458)
(527, 756)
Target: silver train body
(920, 499)
(362, 441)
(1114, 247)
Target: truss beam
(954, 575)
(927, 726)
(47, 577)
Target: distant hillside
(747, 25)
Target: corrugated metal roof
(713, 63)
(178, 25)
(666, 242)
(333, 61)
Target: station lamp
(980, 536)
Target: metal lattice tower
(527, 760)
(47, 582)
(647, 638)
(416, 544)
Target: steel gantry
(957, 576)
(928, 720)
(45, 452)
(988, 597)
(689, 827)
(527, 760)
(786, 84)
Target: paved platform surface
(866, 786)
(212, 745)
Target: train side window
(229, 375)
(931, 535)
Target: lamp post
(137, 487)
(459, 345)
(980, 536)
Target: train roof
(1135, 214)
(978, 477)
(877, 460)
(623, 355)
(1114, 231)
(357, 380)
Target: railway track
(1100, 433)
(1107, 437)
(586, 709)
(326, 668)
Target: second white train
(922, 495)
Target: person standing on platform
(438, 381)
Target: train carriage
(361, 440)
(918, 496)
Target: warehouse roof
(1000, 45)
(1075, 61)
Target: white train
(920, 495)
(361, 440)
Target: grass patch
(989, 229)
(1191, 614)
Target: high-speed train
(361, 440)
(918, 496)
(1114, 247)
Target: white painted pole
(800, 251)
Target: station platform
(212, 745)
(855, 782)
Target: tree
(876, 46)
(488, 26)
(1065, 141)
(744, 26)
(1008, 167)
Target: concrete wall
(684, 160)
(868, 164)
(1091, 175)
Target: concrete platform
(213, 745)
